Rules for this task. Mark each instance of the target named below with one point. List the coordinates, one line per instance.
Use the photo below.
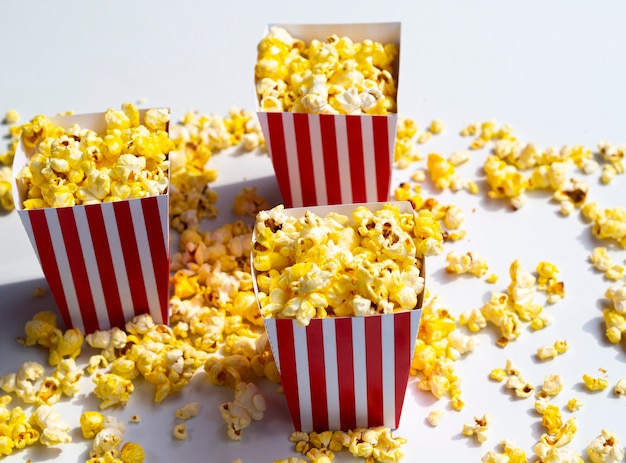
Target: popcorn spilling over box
(327, 107)
(340, 289)
(92, 193)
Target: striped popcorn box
(340, 373)
(105, 263)
(322, 159)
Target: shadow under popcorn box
(104, 263)
(340, 373)
(326, 159)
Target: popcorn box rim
(94, 121)
(345, 209)
(385, 32)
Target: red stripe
(305, 159)
(78, 269)
(402, 357)
(382, 156)
(357, 164)
(345, 372)
(131, 256)
(158, 251)
(43, 243)
(278, 152)
(288, 368)
(374, 370)
(105, 265)
(317, 375)
(331, 161)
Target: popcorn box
(325, 159)
(104, 263)
(344, 372)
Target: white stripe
(415, 321)
(304, 381)
(369, 160)
(163, 202)
(291, 148)
(360, 370)
(392, 124)
(25, 216)
(145, 258)
(332, 374)
(91, 265)
(270, 327)
(343, 156)
(117, 256)
(317, 151)
(64, 269)
(389, 369)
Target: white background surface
(555, 71)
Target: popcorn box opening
(325, 159)
(104, 263)
(344, 372)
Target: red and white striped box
(340, 373)
(104, 263)
(322, 159)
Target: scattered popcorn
(112, 390)
(11, 117)
(595, 384)
(549, 454)
(498, 374)
(479, 428)
(552, 384)
(466, 263)
(247, 202)
(53, 430)
(436, 126)
(511, 454)
(434, 417)
(180, 431)
(605, 448)
(603, 262)
(188, 411)
(620, 387)
(132, 452)
(249, 404)
(574, 404)
(549, 352)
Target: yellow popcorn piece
(620, 387)
(595, 384)
(436, 126)
(91, 423)
(466, 263)
(552, 384)
(549, 454)
(180, 431)
(109, 439)
(498, 374)
(112, 390)
(504, 180)
(11, 117)
(574, 404)
(6, 189)
(247, 202)
(510, 454)
(53, 430)
(132, 452)
(441, 171)
(478, 429)
(188, 411)
(603, 262)
(434, 417)
(605, 448)
(248, 404)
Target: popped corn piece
(134, 419)
(132, 452)
(549, 454)
(289, 460)
(605, 448)
(434, 417)
(91, 423)
(546, 352)
(112, 390)
(603, 262)
(595, 384)
(474, 319)
(561, 346)
(436, 126)
(11, 117)
(419, 176)
(108, 341)
(53, 430)
(497, 374)
(574, 404)
(109, 438)
(188, 411)
(180, 431)
(441, 171)
(67, 346)
(424, 137)
(247, 202)
(247, 405)
(510, 454)
(541, 321)
(552, 384)
(620, 387)
(479, 428)
(459, 157)
(466, 263)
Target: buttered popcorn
(334, 76)
(78, 166)
(340, 266)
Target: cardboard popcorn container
(344, 372)
(325, 159)
(104, 263)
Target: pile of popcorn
(335, 76)
(78, 166)
(341, 266)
